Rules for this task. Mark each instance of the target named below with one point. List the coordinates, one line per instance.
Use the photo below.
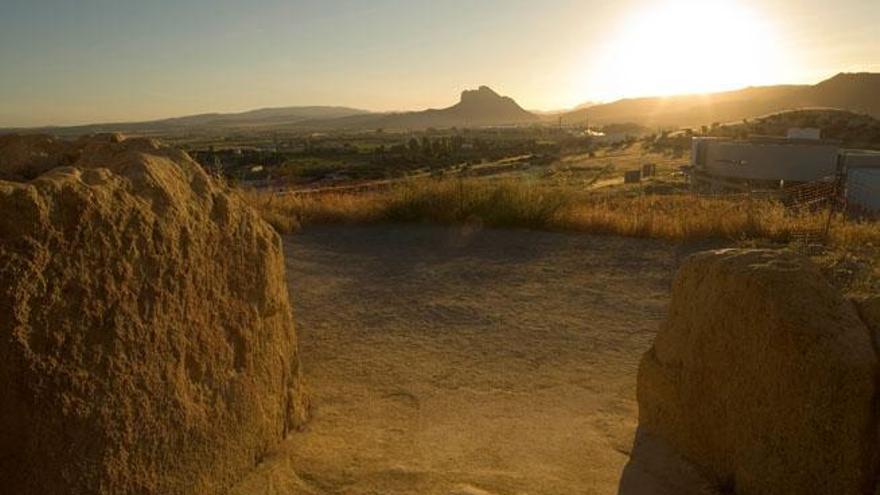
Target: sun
(680, 47)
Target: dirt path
(461, 361)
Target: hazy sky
(77, 61)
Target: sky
(66, 62)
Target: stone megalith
(764, 377)
(146, 338)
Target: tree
(457, 143)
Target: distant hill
(854, 130)
(476, 108)
(265, 117)
(854, 92)
(686, 110)
(553, 115)
(484, 107)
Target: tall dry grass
(288, 213)
(503, 203)
(682, 217)
(492, 203)
(536, 205)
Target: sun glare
(687, 47)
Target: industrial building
(778, 163)
(862, 181)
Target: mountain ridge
(476, 107)
(216, 120)
(482, 107)
(857, 92)
(479, 107)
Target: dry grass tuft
(503, 203)
(289, 212)
(492, 203)
(684, 218)
(519, 203)
(851, 260)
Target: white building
(804, 133)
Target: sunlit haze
(689, 47)
(99, 60)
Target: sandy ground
(467, 361)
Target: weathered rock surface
(655, 468)
(764, 377)
(146, 338)
(26, 157)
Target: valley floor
(467, 361)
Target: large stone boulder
(764, 376)
(26, 157)
(146, 338)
